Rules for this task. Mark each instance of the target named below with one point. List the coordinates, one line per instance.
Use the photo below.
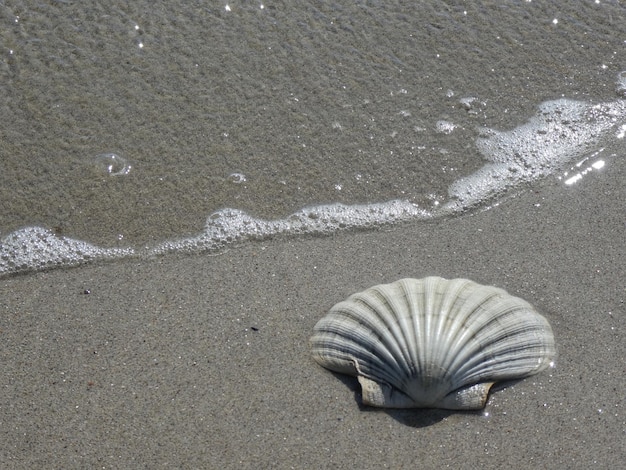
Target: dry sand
(203, 362)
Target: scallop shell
(432, 342)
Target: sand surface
(203, 362)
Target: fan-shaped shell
(432, 342)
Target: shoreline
(202, 361)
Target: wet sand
(203, 362)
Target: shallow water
(126, 126)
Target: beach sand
(203, 361)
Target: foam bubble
(231, 225)
(237, 178)
(445, 127)
(560, 132)
(36, 249)
(112, 164)
(621, 84)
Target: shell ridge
(349, 344)
(431, 343)
(382, 304)
(344, 340)
(383, 362)
(407, 327)
(501, 336)
(526, 358)
(378, 364)
(453, 321)
(477, 310)
(431, 301)
(400, 313)
(444, 306)
(416, 311)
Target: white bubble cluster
(562, 131)
(231, 225)
(445, 127)
(36, 249)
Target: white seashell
(432, 342)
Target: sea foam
(562, 132)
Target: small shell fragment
(432, 342)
